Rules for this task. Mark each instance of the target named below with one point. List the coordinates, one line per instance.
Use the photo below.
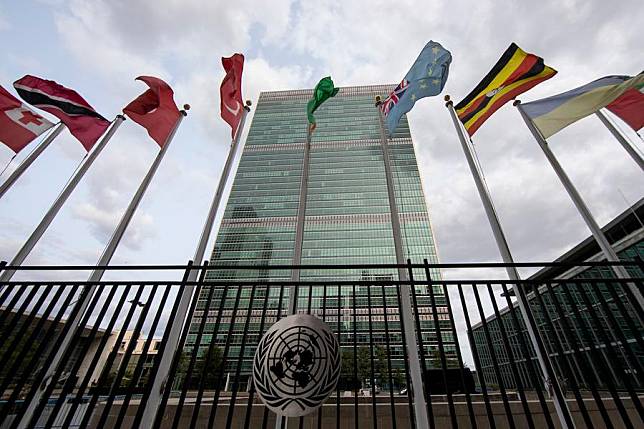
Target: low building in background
(626, 234)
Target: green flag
(322, 92)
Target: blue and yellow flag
(426, 77)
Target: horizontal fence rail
(479, 367)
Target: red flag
(630, 107)
(231, 98)
(66, 104)
(154, 110)
(18, 123)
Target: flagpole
(420, 410)
(299, 227)
(159, 382)
(56, 206)
(545, 364)
(621, 139)
(30, 158)
(281, 422)
(117, 235)
(584, 211)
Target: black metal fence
(479, 365)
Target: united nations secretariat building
(347, 222)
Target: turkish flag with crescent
(232, 105)
(18, 123)
(155, 109)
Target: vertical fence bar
(240, 362)
(421, 347)
(251, 393)
(162, 350)
(339, 326)
(144, 354)
(511, 362)
(374, 409)
(324, 320)
(176, 358)
(224, 357)
(210, 352)
(495, 362)
(532, 372)
(477, 360)
(187, 378)
(459, 357)
(392, 404)
(441, 348)
(356, 377)
(410, 397)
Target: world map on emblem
(296, 365)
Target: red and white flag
(232, 105)
(155, 109)
(18, 123)
(66, 104)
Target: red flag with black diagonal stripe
(85, 123)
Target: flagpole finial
(448, 101)
(249, 103)
(378, 100)
(186, 107)
(516, 102)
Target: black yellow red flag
(515, 72)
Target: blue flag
(426, 77)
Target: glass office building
(626, 234)
(347, 221)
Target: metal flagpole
(30, 159)
(299, 228)
(545, 364)
(585, 213)
(106, 257)
(621, 139)
(420, 410)
(280, 421)
(55, 207)
(159, 382)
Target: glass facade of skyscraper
(347, 221)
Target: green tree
(399, 378)
(380, 364)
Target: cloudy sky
(98, 48)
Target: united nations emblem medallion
(296, 365)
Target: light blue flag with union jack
(426, 78)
